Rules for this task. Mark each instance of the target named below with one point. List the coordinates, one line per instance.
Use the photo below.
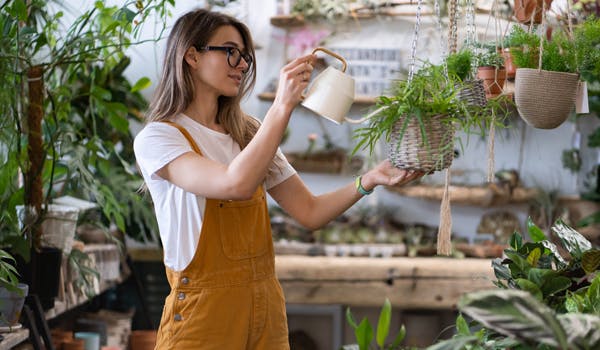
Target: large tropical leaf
(590, 260)
(583, 330)
(454, 343)
(572, 240)
(516, 314)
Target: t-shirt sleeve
(157, 145)
(279, 171)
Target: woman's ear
(191, 57)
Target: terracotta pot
(493, 80)
(142, 340)
(59, 337)
(74, 344)
(509, 65)
(525, 9)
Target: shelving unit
(480, 196)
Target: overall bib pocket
(241, 226)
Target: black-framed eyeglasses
(234, 55)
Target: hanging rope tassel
(444, 243)
(491, 157)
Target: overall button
(185, 280)
(181, 296)
(178, 317)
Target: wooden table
(409, 283)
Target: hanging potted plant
(470, 90)
(546, 81)
(490, 69)
(418, 121)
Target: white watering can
(331, 93)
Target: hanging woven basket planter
(428, 149)
(472, 93)
(545, 99)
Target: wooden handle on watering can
(331, 53)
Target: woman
(207, 166)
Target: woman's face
(214, 70)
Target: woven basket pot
(544, 99)
(412, 151)
(472, 93)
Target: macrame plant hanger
(444, 236)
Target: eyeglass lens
(234, 56)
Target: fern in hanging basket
(419, 120)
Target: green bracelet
(361, 189)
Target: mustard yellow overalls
(228, 297)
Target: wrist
(367, 182)
(363, 186)
(282, 108)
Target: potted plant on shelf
(54, 142)
(547, 294)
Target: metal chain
(442, 41)
(452, 36)
(413, 53)
(471, 38)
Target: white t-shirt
(180, 213)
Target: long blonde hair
(176, 90)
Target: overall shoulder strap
(186, 134)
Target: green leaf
(399, 337)
(590, 261)
(364, 334)
(534, 256)
(501, 271)
(593, 295)
(455, 343)
(515, 314)
(556, 285)
(462, 327)
(536, 234)
(101, 93)
(571, 304)
(572, 240)
(141, 84)
(383, 325)
(20, 9)
(516, 241)
(532, 288)
(350, 319)
(583, 330)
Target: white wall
(540, 152)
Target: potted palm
(54, 142)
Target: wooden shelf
(410, 283)
(361, 100)
(480, 196)
(291, 21)
(287, 21)
(14, 338)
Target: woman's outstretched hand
(386, 174)
(293, 79)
